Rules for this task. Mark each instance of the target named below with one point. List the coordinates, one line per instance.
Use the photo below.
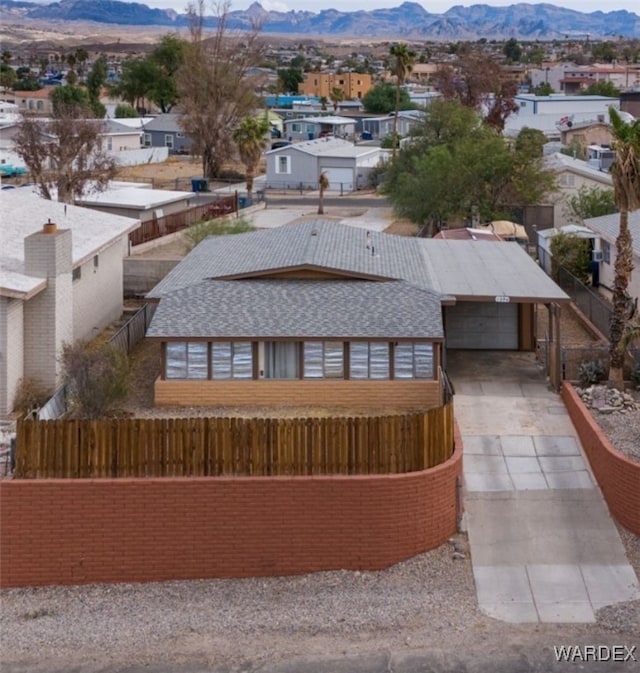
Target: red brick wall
(617, 475)
(139, 530)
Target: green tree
(604, 52)
(604, 88)
(544, 89)
(250, 137)
(455, 166)
(289, 79)
(70, 100)
(124, 111)
(96, 79)
(167, 58)
(381, 99)
(572, 253)
(401, 62)
(512, 50)
(531, 142)
(625, 173)
(136, 81)
(590, 202)
(7, 76)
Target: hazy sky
(434, 6)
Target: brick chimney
(48, 317)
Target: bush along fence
(125, 339)
(192, 447)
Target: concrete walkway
(543, 546)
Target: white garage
(340, 178)
(482, 325)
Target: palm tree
(250, 138)
(625, 173)
(402, 60)
(337, 96)
(323, 183)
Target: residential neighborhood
(319, 356)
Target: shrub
(217, 227)
(30, 395)
(591, 372)
(97, 377)
(635, 377)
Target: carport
(493, 289)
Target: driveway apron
(544, 547)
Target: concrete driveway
(543, 546)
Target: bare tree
(215, 90)
(65, 154)
(478, 82)
(323, 184)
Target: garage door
(481, 325)
(340, 178)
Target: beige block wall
(98, 293)
(361, 395)
(11, 351)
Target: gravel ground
(426, 602)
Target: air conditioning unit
(596, 255)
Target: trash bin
(244, 202)
(366, 135)
(199, 185)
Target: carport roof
(477, 271)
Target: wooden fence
(186, 447)
(170, 224)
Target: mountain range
(409, 20)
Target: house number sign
(503, 300)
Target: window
(109, 143)
(76, 274)
(606, 252)
(296, 127)
(413, 360)
(281, 359)
(323, 360)
(369, 360)
(186, 360)
(311, 128)
(231, 360)
(147, 140)
(283, 165)
(168, 140)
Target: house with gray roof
(324, 314)
(310, 128)
(61, 280)
(299, 166)
(165, 131)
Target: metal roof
(334, 147)
(300, 309)
(474, 270)
(608, 226)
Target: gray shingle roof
(299, 309)
(318, 244)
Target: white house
(607, 228)
(572, 175)
(309, 128)
(299, 166)
(58, 283)
(554, 113)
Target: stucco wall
(11, 350)
(97, 294)
(143, 530)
